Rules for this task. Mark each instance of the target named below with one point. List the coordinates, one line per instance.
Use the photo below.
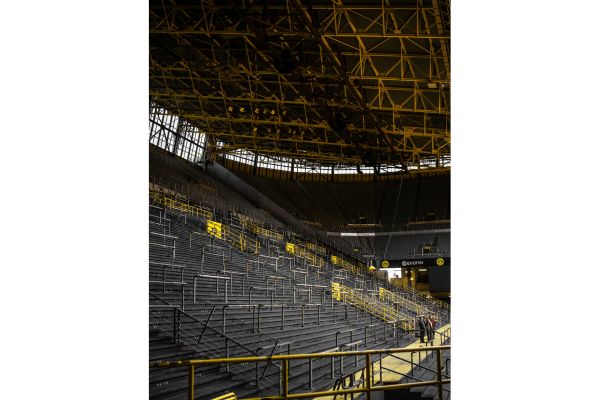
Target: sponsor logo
(439, 262)
(412, 263)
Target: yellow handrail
(368, 383)
(386, 295)
(232, 236)
(371, 306)
(297, 250)
(404, 286)
(266, 233)
(175, 204)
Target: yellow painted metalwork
(370, 372)
(372, 306)
(404, 286)
(266, 233)
(308, 256)
(227, 396)
(215, 229)
(315, 247)
(336, 291)
(290, 248)
(241, 241)
(183, 207)
(410, 91)
(386, 295)
(390, 368)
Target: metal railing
(183, 207)
(386, 295)
(371, 306)
(307, 256)
(367, 385)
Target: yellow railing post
(368, 375)
(285, 376)
(439, 373)
(191, 382)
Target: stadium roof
(335, 81)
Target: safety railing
(441, 304)
(314, 247)
(232, 236)
(266, 233)
(204, 339)
(368, 384)
(371, 306)
(185, 208)
(306, 255)
(386, 295)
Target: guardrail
(441, 304)
(386, 295)
(299, 251)
(232, 236)
(178, 205)
(367, 386)
(371, 306)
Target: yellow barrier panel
(215, 229)
(290, 248)
(336, 291)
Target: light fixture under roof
(431, 85)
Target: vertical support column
(368, 375)
(285, 375)
(438, 353)
(191, 382)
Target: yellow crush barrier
(296, 250)
(314, 247)
(310, 257)
(336, 291)
(241, 241)
(227, 396)
(232, 236)
(215, 229)
(183, 207)
(345, 264)
(371, 306)
(386, 295)
(267, 233)
(290, 248)
(439, 303)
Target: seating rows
(249, 319)
(389, 204)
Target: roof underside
(335, 81)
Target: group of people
(426, 325)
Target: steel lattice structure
(335, 81)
